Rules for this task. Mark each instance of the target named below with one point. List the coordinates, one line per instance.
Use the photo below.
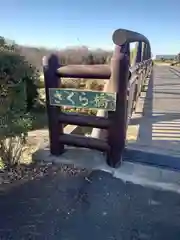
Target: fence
(116, 102)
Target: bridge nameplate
(82, 99)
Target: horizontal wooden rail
(83, 120)
(85, 71)
(86, 142)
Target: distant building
(166, 57)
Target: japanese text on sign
(82, 99)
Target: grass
(160, 61)
(39, 116)
(1, 165)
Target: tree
(90, 59)
(31, 79)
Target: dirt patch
(20, 174)
(28, 170)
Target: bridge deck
(155, 127)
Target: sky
(64, 23)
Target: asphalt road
(78, 205)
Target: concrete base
(144, 175)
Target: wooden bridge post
(51, 80)
(149, 51)
(118, 83)
(126, 49)
(139, 52)
(145, 56)
(150, 65)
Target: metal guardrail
(117, 101)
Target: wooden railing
(115, 105)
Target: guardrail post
(118, 83)
(140, 79)
(50, 66)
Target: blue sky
(63, 23)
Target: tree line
(76, 55)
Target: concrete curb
(149, 176)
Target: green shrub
(14, 121)
(9, 54)
(30, 80)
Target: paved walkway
(88, 206)
(155, 127)
(77, 205)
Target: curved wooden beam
(122, 36)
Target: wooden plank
(84, 120)
(86, 142)
(82, 99)
(85, 71)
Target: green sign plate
(82, 99)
